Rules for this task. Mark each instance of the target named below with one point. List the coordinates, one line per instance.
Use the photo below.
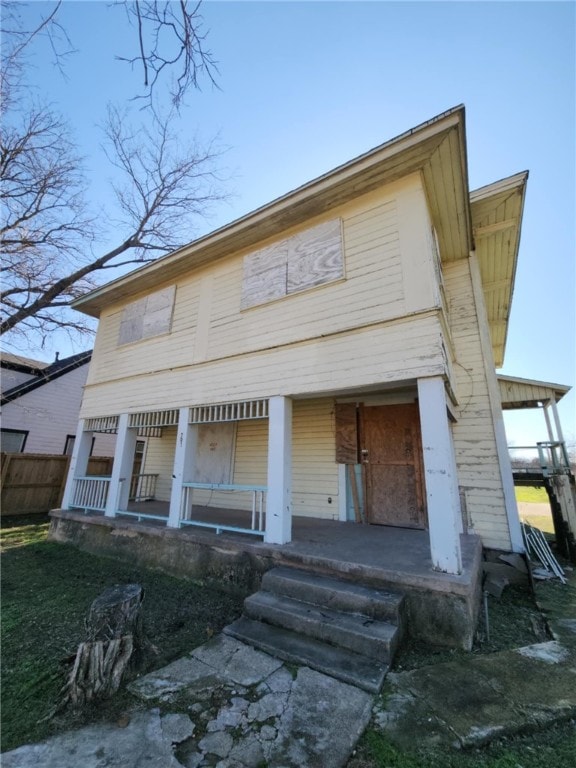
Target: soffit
(496, 223)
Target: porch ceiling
(518, 393)
(436, 149)
(496, 221)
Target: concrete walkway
(475, 700)
(227, 705)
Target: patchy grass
(47, 590)
(553, 748)
(514, 620)
(531, 495)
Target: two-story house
(329, 357)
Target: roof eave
(408, 153)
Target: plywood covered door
(392, 460)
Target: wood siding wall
(479, 475)
(315, 472)
(376, 325)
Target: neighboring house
(331, 355)
(40, 405)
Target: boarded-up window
(346, 433)
(215, 453)
(310, 258)
(147, 317)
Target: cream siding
(315, 472)
(388, 274)
(369, 357)
(159, 459)
(474, 435)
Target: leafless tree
(170, 40)
(49, 238)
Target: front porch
(442, 608)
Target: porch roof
(518, 393)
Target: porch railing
(257, 514)
(90, 493)
(549, 458)
(143, 487)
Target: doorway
(392, 465)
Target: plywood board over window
(147, 317)
(310, 258)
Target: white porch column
(557, 420)
(183, 465)
(279, 498)
(119, 489)
(78, 462)
(444, 516)
(551, 436)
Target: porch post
(548, 423)
(184, 456)
(279, 499)
(119, 489)
(78, 462)
(444, 516)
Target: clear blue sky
(305, 86)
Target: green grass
(531, 495)
(553, 748)
(47, 590)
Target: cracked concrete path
(475, 700)
(234, 707)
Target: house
(329, 358)
(40, 405)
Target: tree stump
(114, 632)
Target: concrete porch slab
(442, 608)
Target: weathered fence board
(33, 483)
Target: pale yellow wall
(352, 332)
(159, 459)
(315, 472)
(479, 474)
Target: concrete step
(360, 634)
(335, 594)
(293, 647)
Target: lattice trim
(246, 409)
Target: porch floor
(375, 553)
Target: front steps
(343, 629)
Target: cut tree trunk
(114, 632)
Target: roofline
(44, 378)
(562, 388)
(451, 118)
(502, 185)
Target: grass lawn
(531, 495)
(47, 590)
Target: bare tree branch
(48, 236)
(170, 40)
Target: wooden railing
(90, 493)
(143, 487)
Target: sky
(306, 86)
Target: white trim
(279, 499)
(342, 493)
(119, 489)
(444, 517)
(183, 469)
(78, 462)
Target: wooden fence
(33, 483)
